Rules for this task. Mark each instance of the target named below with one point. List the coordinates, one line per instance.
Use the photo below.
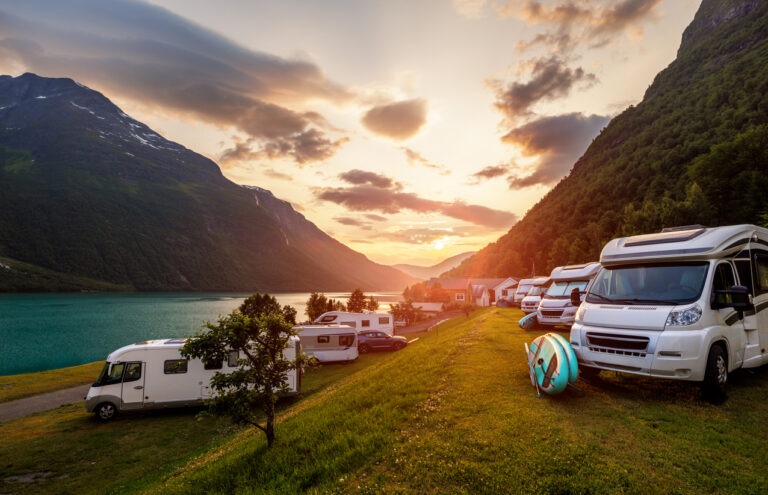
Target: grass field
(452, 413)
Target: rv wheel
(105, 411)
(716, 375)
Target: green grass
(452, 413)
(14, 387)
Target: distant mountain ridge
(694, 151)
(89, 194)
(427, 272)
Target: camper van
(358, 321)
(525, 288)
(153, 374)
(328, 343)
(688, 303)
(555, 307)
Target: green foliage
(406, 312)
(258, 305)
(252, 389)
(371, 304)
(318, 304)
(356, 302)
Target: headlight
(581, 313)
(684, 317)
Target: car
(373, 340)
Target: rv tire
(716, 375)
(105, 411)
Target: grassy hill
(452, 413)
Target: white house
(505, 289)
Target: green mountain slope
(695, 150)
(88, 192)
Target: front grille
(552, 313)
(624, 345)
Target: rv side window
(132, 372)
(232, 359)
(365, 323)
(744, 269)
(215, 365)
(346, 340)
(174, 366)
(383, 320)
(327, 319)
(323, 339)
(723, 280)
(761, 266)
(115, 374)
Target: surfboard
(573, 363)
(548, 365)
(528, 321)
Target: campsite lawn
(454, 412)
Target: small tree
(356, 302)
(262, 369)
(405, 312)
(371, 304)
(264, 304)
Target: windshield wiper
(600, 296)
(646, 301)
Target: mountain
(427, 272)
(695, 150)
(92, 199)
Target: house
(477, 291)
(505, 289)
(480, 296)
(430, 309)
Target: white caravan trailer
(329, 343)
(153, 374)
(530, 302)
(556, 307)
(688, 303)
(359, 321)
(523, 287)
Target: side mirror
(737, 297)
(575, 296)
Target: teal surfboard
(528, 321)
(573, 363)
(548, 365)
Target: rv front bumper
(666, 354)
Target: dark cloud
(559, 141)
(586, 21)
(550, 79)
(490, 172)
(374, 192)
(146, 53)
(399, 120)
(309, 145)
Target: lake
(48, 331)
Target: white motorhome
(556, 307)
(523, 286)
(530, 302)
(359, 321)
(153, 374)
(688, 304)
(329, 343)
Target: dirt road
(43, 402)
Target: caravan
(328, 343)
(358, 321)
(523, 287)
(530, 302)
(688, 303)
(153, 374)
(556, 307)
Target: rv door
(133, 385)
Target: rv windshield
(536, 290)
(562, 289)
(657, 283)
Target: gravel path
(43, 402)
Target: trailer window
(232, 359)
(383, 320)
(327, 319)
(132, 372)
(761, 266)
(175, 366)
(213, 365)
(346, 340)
(365, 323)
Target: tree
(405, 312)
(262, 369)
(356, 301)
(264, 304)
(371, 304)
(317, 304)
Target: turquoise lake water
(48, 331)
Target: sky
(409, 130)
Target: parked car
(374, 340)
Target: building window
(175, 366)
(459, 296)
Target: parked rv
(329, 343)
(522, 289)
(688, 303)
(153, 374)
(358, 321)
(530, 302)
(556, 307)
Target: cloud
(550, 79)
(374, 192)
(417, 159)
(559, 141)
(354, 222)
(490, 172)
(399, 120)
(146, 53)
(576, 23)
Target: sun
(438, 244)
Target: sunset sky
(410, 130)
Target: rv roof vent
(684, 227)
(665, 236)
(175, 341)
